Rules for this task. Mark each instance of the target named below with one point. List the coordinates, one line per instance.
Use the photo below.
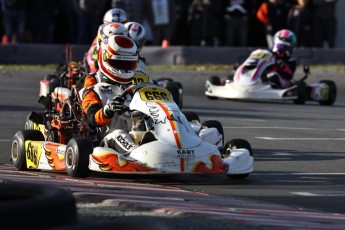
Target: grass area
(205, 67)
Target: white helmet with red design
(136, 31)
(118, 59)
(106, 30)
(115, 15)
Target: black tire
(165, 79)
(40, 206)
(215, 80)
(332, 92)
(191, 116)
(55, 82)
(29, 124)
(77, 157)
(50, 76)
(18, 155)
(237, 144)
(174, 89)
(215, 124)
(301, 93)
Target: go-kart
(167, 142)
(251, 81)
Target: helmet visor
(126, 63)
(281, 48)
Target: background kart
(167, 143)
(251, 81)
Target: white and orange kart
(175, 144)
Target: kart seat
(148, 137)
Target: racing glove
(114, 106)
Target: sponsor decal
(122, 142)
(106, 90)
(33, 154)
(185, 153)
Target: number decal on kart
(140, 78)
(260, 55)
(155, 95)
(33, 153)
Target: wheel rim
(15, 151)
(70, 161)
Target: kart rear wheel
(175, 88)
(301, 93)
(332, 94)
(50, 76)
(54, 82)
(18, 155)
(77, 155)
(215, 124)
(237, 144)
(191, 116)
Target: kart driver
(115, 15)
(118, 61)
(282, 72)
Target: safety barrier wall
(155, 55)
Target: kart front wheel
(237, 144)
(18, 155)
(191, 116)
(215, 124)
(301, 93)
(77, 155)
(332, 94)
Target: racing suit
(282, 72)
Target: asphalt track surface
(299, 171)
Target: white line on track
(5, 140)
(299, 174)
(303, 138)
(315, 194)
(277, 127)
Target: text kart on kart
(168, 140)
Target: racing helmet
(136, 31)
(106, 30)
(115, 15)
(118, 59)
(284, 42)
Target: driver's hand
(115, 105)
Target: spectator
(204, 17)
(133, 8)
(41, 20)
(161, 18)
(300, 22)
(325, 23)
(90, 13)
(14, 19)
(273, 14)
(237, 15)
(256, 29)
(180, 35)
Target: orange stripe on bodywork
(182, 164)
(173, 126)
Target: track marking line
(304, 138)
(315, 194)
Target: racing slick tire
(54, 82)
(237, 144)
(77, 155)
(301, 93)
(34, 206)
(50, 76)
(214, 80)
(191, 116)
(332, 94)
(175, 88)
(18, 155)
(215, 124)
